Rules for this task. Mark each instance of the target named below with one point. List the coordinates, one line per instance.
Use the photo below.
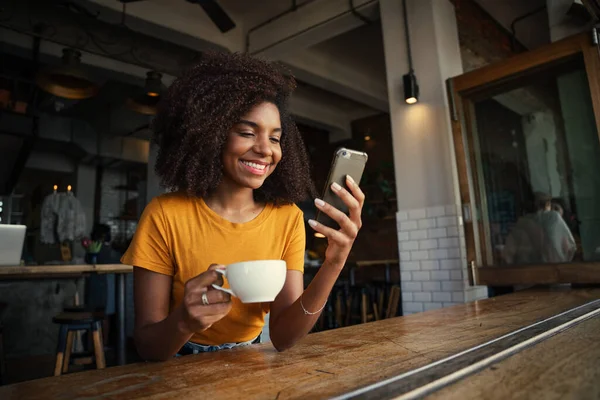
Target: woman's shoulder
(287, 211)
(288, 217)
(171, 202)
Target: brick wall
(433, 267)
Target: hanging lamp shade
(145, 101)
(68, 80)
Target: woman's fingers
(201, 285)
(212, 297)
(345, 195)
(346, 225)
(209, 313)
(205, 279)
(355, 209)
(330, 233)
(356, 190)
(213, 267)
(216, 296)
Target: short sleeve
(294, 252)
(149, 248)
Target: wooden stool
(70, 322)
(361, 305)
(3, 307)
(385, 291)
(394, 300)
(83, 308)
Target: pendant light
(145, 101)
(411, 87)
(68, 80)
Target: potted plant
(92, 249)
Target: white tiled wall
(433, 266)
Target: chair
(71, 322)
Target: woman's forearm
(162, 340)
(293, 323)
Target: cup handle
(224, 273)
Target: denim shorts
(195, 348)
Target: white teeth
(254, 165)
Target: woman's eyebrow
(249, 123)
(254, 125)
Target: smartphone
(345, 162)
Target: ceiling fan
(214, 11)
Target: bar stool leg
(376, 311)
(381, 301)
(349, 301)
(60, 350)
(363, 308)
(338, 310)
(68, 351)
(98, 345)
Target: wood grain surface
(49, 271)
(322, 365)
(562, 367)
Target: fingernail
(350, 179)
(335, 186)
(319, 202)
(312, 222)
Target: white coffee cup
(254, 281)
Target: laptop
(11, 244)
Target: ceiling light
(411, 87)
(145, 101)
(367, 138)
(68, 80)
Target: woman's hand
(197, 316)
(340, 241)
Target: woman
(236, 164)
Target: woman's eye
(246, 134)
(275, 140)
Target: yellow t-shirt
(180, 236)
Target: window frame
(462, 92)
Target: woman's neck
(234, 203)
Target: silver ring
(205, 299)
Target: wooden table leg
(120, 318)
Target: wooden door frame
(460, 89)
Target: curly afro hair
(199, 109)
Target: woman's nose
(263, 145)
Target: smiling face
(253, 147)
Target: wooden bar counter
(326, 364)
(58, 271)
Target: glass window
(537, 157)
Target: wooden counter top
(564, 366)
(49, 271)
(323, 365)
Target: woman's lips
(255, 168)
